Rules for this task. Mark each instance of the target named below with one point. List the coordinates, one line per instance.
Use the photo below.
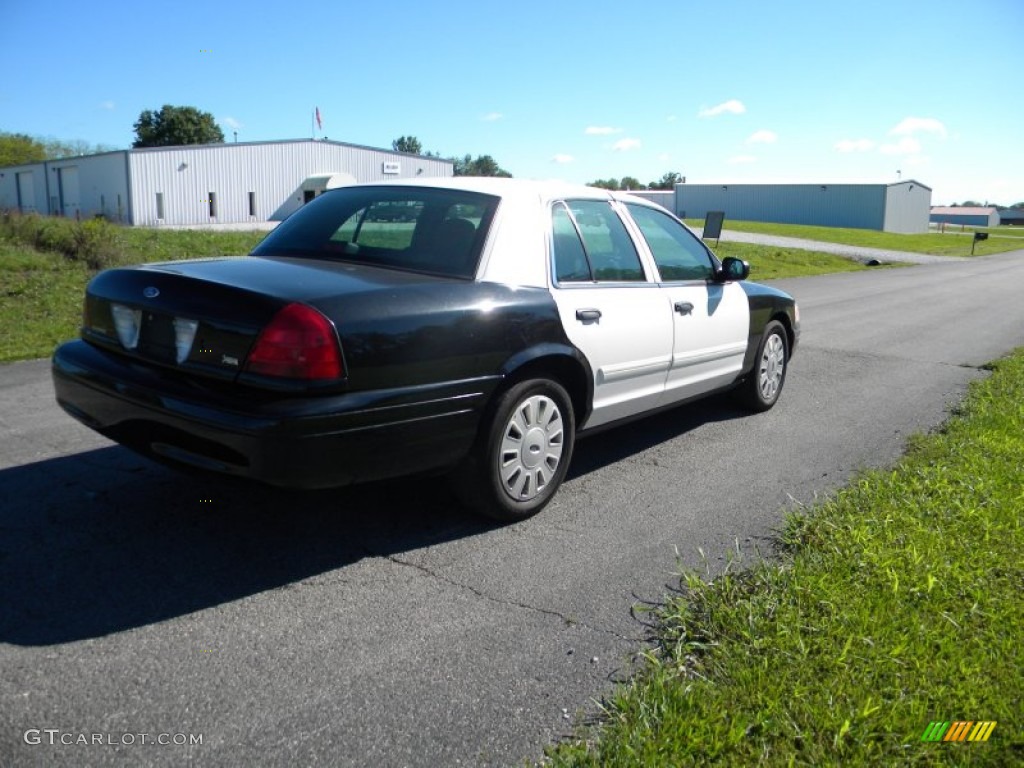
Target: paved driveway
(383, 626)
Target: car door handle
(588, 315)
(684, 307)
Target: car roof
(544, 190)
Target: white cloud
(671, 119)
(908, 126)
(231, 123)
(106, 105)
(623, 145)
(855, 145)
(601, 130)
(763, 137)
(742, 160)
(733, 107)
(664, 157)
(562, 159)
(491, 117)
(905, 146)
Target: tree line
(465, 165)
(20, 148)
(628, 183)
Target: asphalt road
(384, 626)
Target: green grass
(949, 244)
(145, 245)
(893, 605)
(769, 261)
(40, 301)
(41, 288)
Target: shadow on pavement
(104, 541)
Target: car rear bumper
(294, 442)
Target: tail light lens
(298, 343)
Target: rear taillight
(298, 343)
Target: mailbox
(978, 236)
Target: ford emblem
(151, 292)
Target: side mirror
(734, 269)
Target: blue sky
(733, 90)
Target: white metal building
(900, 207)
(203, 184)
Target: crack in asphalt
(568, 620)
(853, 353)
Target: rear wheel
(523, 452)
(761, 389)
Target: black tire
(522, 454)
(763, 385)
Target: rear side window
(678, 254)
(590, 243)
(437, 231)
(571, 265)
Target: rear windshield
(437, 231)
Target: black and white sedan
(473, 327)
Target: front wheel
(762, 387)
(523, 453)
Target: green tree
(667, 181)
(630, 182)
(612, 184)
(18, 149)
(57, 148)
(173, 126)
(482, 165)
(409, 144)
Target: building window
(252, 203)
(213, 206)
(159, 205)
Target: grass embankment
(770, 261)
(896, 604)
(948, 244)
(46, 262)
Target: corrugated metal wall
(92, 185)
(33, 186)
(267, 176)
(907, 205)
(828, 205)
(665, 198)
(102, 184)
(966, 220)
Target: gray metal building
(970, 216)
(900, 207)
(242, 183)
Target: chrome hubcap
(531, 448)
(773, 364)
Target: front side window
(421, 229)
(678, 253)
(591, 244)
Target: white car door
(611, 309)
(711, 319)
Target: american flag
(319, 123)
